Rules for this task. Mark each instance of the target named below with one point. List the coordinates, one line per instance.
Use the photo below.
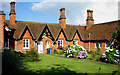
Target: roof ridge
(106, 22)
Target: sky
(75, 10)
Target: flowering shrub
(73, 51)
(82, 54)
(112, 56)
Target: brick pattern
(2, 20)
(62, 20)
(76, 37)
(20, 43)
(12, 19)
(12, 13)
(55, 46)
(89, 23)
(44, 41)
(61, 37)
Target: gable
(47, 31)
(101, 31)
(76, 36)
(62, 35)
(26, 33)
(69, 31)
(54, 29)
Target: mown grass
(52, 64)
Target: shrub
(31, 56)
(73, 51)
(95, 55)
(61, 53)
(112, 56)
(82, 54)
(75, 54)
(55, 52)
(11, 62)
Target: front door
(40, 47)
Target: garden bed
(61, 56)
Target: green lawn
(53, 64)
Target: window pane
(58, 43)
(26, 45)
(26, 39)
(23, 45)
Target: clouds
(76, 10)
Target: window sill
(6, 48)
(99, 47)
(26, 48)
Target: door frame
(40, 46)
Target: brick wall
(89, 23)
(12, 19)
(55, 46)
(2, 20)
(61, 37)
(76, 37)
(20, 42)
(44, 41)
(92, 46)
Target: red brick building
(24, 36)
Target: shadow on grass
(12, 65)
(58, 69)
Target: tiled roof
(35, 28)
(54, 28)
(70, 31)
(100, 31)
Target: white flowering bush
(73, 51)
(112, 56)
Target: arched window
(47, 44)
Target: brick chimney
(90, 20)
(2, 21)
(62, 19)
(12, 13)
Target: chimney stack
(62, 19)
(12, 13)
(2, 22)
(90, 20)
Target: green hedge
(31, 56)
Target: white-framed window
(60, 43)
(25, 43)
(99, 43)
(6, 44)
(107, 44)
(75, 42)
(47, 44)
